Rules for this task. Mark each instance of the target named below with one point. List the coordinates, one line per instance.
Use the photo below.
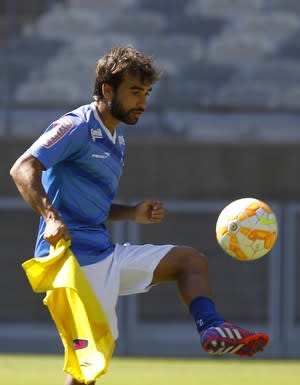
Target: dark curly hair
(112, 67)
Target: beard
(119, 112)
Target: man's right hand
(55, 230)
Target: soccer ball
(247, 229)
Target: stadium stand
(225, 56)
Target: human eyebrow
(138, 88)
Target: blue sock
(204, 312)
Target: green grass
(47, 370)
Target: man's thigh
(137, 264)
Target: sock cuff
(204, 312)
(202, 301)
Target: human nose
(142, 102)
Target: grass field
(47, 370)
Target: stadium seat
(231, 55)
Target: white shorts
(128, 270)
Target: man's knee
(180, 259)
(193, 260)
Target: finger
(157, 205)
(54, 238)
(158, 211)
(157, 215)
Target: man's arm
(148, 211)
(26, 173)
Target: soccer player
(70, 176)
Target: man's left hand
(149, 211)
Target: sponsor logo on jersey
(101, 156)
(96, 133)
(59, 129)
(80, 343)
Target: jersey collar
(105, 129)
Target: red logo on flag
(80, 343)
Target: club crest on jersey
(58, 130)
(96, 133)
(121, 140)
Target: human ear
(107, 91)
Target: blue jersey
(83, 163)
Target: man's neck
(107, 119)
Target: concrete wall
(191, 170)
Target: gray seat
(103, 6)
(222, 8)
(248, 96)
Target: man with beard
(70, 177)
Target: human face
(129, 101)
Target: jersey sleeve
(61, 141)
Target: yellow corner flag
(77, 314)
